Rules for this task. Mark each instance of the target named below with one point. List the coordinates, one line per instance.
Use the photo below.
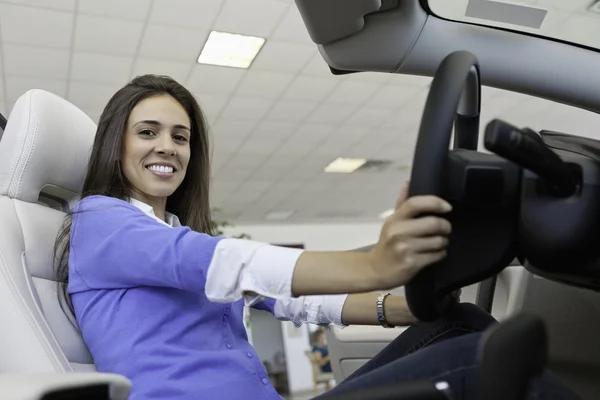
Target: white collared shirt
(259, 272)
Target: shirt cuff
(333, 306)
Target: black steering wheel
(454, 101)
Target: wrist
(374, 276)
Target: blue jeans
(443, 350)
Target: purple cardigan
(138, 289)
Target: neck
(158, 204)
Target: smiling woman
(153, 120)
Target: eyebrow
(157, 123)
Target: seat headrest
(45, 148)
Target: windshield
(575, 21)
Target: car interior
(527, 200)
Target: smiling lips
(161, 170)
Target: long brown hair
(104, 176)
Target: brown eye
(180, 138)
(146, 132)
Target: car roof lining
(408, 40)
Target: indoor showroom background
(273, 338)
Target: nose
(165, 145)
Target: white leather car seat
(43, 158)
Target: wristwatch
(380, 313)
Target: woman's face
(156, 148)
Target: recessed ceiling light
(386, 213)
(279, 215)
(345, 165)
(230, 49)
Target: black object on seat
(512, 354)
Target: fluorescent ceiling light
(345, 165)
(386, 213)
(279, 215)
(230, 49)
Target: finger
(417, 205)
(434, 243)
(403, 194)
(419, 227)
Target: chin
(160, 192)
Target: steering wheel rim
(455, 89)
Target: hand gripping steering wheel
(472, 182)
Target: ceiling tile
(243, 161)
(211, 104)
(91, 95)
(259, 147)
(353, 92)
(36, 62)
(291, 110)
(334, 146)
(256, 17)
(65, 5)
(122, 38)
(294, 148)
(274, 129)
(100, 68)
(396, 152)
(171, 43)
(318, 67)
(410, 80)
(314, 132)
(283, 56)
(233, 128)
(176, 70)
(309, 88)
(292, 28)
(17, 86)
(248, 108)
(401, 120)
(226, 145)
(331, 113)
(185, 13)
(241, 173)
(350, 132)
(136, 10)
(264, 84)
(46, 28)
(363, 149)
(213, 79)
(369, 116)
(393, 96)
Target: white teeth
(160, 168)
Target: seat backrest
(43, 158)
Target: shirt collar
(172, 219)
